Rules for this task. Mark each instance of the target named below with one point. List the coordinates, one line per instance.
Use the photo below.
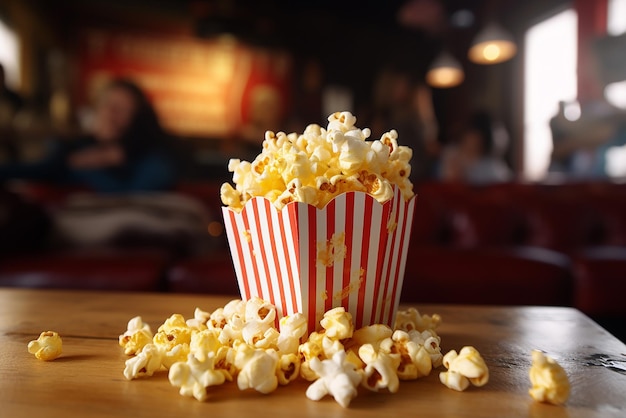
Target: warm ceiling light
(445, 71)
(492, 45)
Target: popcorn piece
(225, 361)
(372, 334)
(203, 343)
(260, 335)
(549, 380)
(319, 164)
(173, 339)
(138, 334)
(199, 320)
(311, 349)
(338, 324)
(415, 361)
(194, 376)
(260, 311)
(430, 341)
(288, 368)
(232, 331)
(453, 380)
(177, 354)
(257, 368)
(176, 321)
(380, 369)
(235, 307)
(338, 378)
(145, 363)
(217, 319)
(463, 368)
(292, 328)
(410, 319)
(47, 347)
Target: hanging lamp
(445, 71)
(492, 45)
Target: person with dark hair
(126, 149)
(473, 159)
(7, 95)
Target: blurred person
(579, 147)
(10, 104)
(7, 95)
(473, 159)
(126, 149)
(407, 106)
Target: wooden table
(87, 380)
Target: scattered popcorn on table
(549, 380)
(47, 347)
(320, 164)
(241, 342)
(463, 368)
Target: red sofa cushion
(600, 281)
(93, 270)
(213, 273)
(515, 276)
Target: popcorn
(338, 324)
(145, 363)
(319, 164)
(415, 361)
(380, 369)
(372, 334)
(288, 368)
(549, 380)
(241, 341)
(257, 368)
(410, 319)
(311, 349)
(199, 320)
(292, 329)
(194, 376)
(338, 378)
(203, 343)
(47, 347)
(176, 321)
(138, 334)
(430, 341)
(463, 368)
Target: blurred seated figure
(10, 104)
(126, 149)
(473, 158)
(580, 146)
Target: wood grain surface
(87, 380)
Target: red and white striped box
(351, 253)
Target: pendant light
(445, 71)
(492, 45)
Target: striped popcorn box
(351, 253)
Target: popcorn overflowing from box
(321, 220)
